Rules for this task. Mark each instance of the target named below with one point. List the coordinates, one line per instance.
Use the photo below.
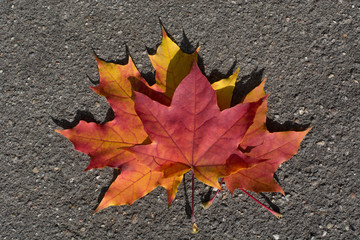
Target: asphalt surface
(308, 50)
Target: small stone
(301, 111)
(321, 143)
(35, 170)
(276, 236)
(82, 229)
(331, 76)
(134, 219)
(56, 169)
(330, 225)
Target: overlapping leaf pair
(180, 124)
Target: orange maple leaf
(103, 142)
(180, 123)
(274, 148)
(192, 133)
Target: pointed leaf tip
(171, 65)
(206, 205)
(135, 181)
(195, 228)
(224, 90)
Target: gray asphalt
(308, 50)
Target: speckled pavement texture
(308, 50)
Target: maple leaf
(135, 181)
(274, 148)
(253, 136)
(266, 148)
(103, 142)
(224, 90)
(193, 133)
(171, 65)
(180, 123)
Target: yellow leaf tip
(206, 205)
(195, 229)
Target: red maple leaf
(191, 134)
(273, 147)
(269, 149)
(180, 124)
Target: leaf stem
(193, 198)
(276, 214)
(195, 229)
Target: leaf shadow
(276, 178)
(274, 126)
(188, 209)
(116, 173)
(82, 115)
(215, 75)
(122, 61)
(148, 76)
(246, 84)
(95, 82)
(271, 204)
(206, 196)
(187, 47)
